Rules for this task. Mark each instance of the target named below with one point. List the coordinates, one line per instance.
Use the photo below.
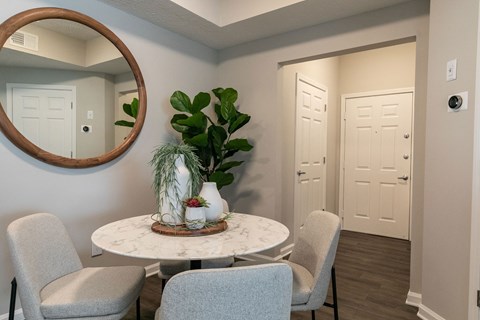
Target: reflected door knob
(300, 172)
(404, 177)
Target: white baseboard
(152, 269)
(414, 299)
(426, 313)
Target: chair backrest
(261, 292)
(41, 252)
(315, 250)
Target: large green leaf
(200, 140)
(134, 107)
(217, 136)
(229, 165)
(124, 123)
(218, 111)
(181, 102)
(200, 101)
(241, 120)
(127, 108)
(227, 99)
(218, 92)
(239, 144)
(197, 122)
(177, 126)
(221, 178)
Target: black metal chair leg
(138, 308)
(333, 305)
(334, 292)
(313, 314)
(13, 296)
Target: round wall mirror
(71, 93)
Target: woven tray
(182, 231)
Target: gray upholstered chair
(261, 292)
(52, 282)
(169, 268)
(312, 261)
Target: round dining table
(245, 234)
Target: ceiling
(221, 24)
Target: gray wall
(94, 91)
(85, 199)
(449, 175)
(253, 69)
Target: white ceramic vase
(215, 203)
(171, 208)
(195, 217)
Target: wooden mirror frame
(19, 20)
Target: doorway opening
(385, 68)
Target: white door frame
(73, 89)
(341, 187)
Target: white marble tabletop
(245, 234)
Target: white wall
(85, 199)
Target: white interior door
(310, 148)
(44, 115)
(377, 148)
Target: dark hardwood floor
(372, 282)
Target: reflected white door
(310, 149)
(377, 158)
(44, 116)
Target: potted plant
(177, 176)
(212, 138)
(195, 212)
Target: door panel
(377, 148)
(44, 116)
(310, 149)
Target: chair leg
(333, 305)
(138, 308)
(313, 314)
(13, 296)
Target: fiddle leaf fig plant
(212, 138)
(130, 109)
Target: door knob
(404, 177)
(300, 172)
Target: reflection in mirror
(64, 78)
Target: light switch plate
(90, 114)
(452, 70)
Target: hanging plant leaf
(180, 101)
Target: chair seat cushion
(92, 292)
(168, 268)
(302, 283)
(302, 280)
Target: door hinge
(478, 298)
(71, 105)
(71, 154)
(324, 160)
(325, 108)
